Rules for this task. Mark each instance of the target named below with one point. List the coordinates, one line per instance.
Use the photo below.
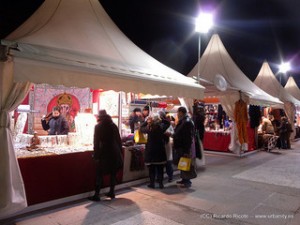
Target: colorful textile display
(241, 119)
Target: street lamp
(203, 24)
(283, 69)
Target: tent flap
(79, 76)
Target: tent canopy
(267, 81)
(217, 68)
(75, 43)
(292, 88)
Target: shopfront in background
(219, 129)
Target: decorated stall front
(72, 43)
(60, 155)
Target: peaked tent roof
(216, 61)
(267, 81)
(292, 88)
(75, 43)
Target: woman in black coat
(155, 153)
(183, 140)
(107, 153)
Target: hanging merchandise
(241, 119)
(159, 104)
(255, 115)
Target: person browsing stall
(107, 154)
(155, 153)
(135, 118)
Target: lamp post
(203, 24)
(283, 69)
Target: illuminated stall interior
(80, 107)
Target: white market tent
(72, 43)
(75, 43)
(267, 81)
(292, 88)
(223, 79)
(217, 69)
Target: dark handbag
(192, 173)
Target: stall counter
(216, 141)
(219, 140)
(53, 176)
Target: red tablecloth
(216, 141)
(57, 176)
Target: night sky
(251, 30)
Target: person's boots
(160, 176)
(111, 193)
(161, 185)
(95, 197)
(160, 181)
(152, 179)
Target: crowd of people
(166, 143)
(168, 139)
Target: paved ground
(262, 188)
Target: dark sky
(251, 30)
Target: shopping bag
(184, 164)
(192, 173)
(139, 137)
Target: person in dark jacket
(107, 153)
(183, 139)
(283, 133)
(168, 146)
(135, 118)
(198, 119)
(55, 123)
(289, 132)
(155, 153)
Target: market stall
(219, 128)
(225, 82)
(52, 48)
(267, 81)
(64, 153)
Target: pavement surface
(261, 188)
